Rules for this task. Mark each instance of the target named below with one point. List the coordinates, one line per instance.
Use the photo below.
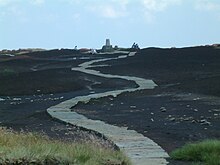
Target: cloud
(7, 2)
(3, 2)
(72, 1)
(207, 5)
(14, 13)
(76, 17)
(151, 7)
(122, 8)
(16, 2)
(108, 11)
(112, 9)
(159, 5)
(37, 2)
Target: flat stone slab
(140, 149)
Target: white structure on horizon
(93, 51)
(107, 42)
(107, 47)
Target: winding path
(141, 150)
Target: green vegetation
(206, 152)
(6, 72)
(30, 148)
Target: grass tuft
(7, 72)
(30, 148)
(207, 151)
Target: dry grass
(30, 148)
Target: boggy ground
(32, 82)
(183, 108)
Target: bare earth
(183, 108)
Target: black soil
(183, 108)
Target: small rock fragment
(193, 121)
(196, 110)
(172, 119)
(204, 122)
(163, 109)
(188, 118)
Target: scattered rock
(16, 99)
(193, 121)
(172, 119)
(188, 119)
(1, 99)
(204, 122)
(196, 99)
(196, 110)
(163, 109)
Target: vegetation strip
(207, 151)
(30, 148)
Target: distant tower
(107, 47)
(107, 42)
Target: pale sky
(87, 23)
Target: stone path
(141, 150)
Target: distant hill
(20, 51)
